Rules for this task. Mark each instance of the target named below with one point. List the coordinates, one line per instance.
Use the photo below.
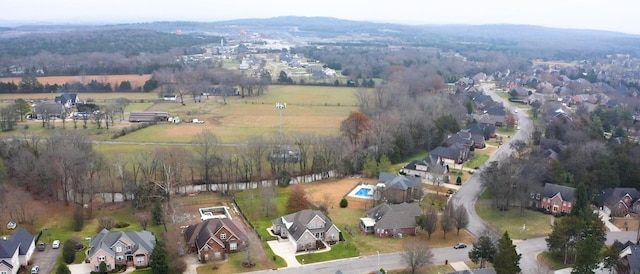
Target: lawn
(477, 161)
(535, 224)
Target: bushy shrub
(121, 224)
(344, 203)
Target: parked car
(460, 246)
(42, 246)
(55, 244)
(35, 269)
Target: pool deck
(357, 188)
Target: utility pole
(281, 106)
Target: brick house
(214, 238)
(388, 220)
(620, 201)
(554, 199)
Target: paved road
(469, 192)
(367, 264)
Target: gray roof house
(386, 220)
(305, 228)
(620, 201)
(27, 245)
(16, 251)
(68, 100)
(9, 259)
(400, 188)
(131, 248)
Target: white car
(35, 269)
(55, 244)
(516, 111)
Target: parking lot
(45, 259)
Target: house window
(102, 258)
(233, 246)
(140, 260)
(119, 258)
(3, 272)
(537, 196)
(118, 249)
(223, 236)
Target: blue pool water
(364, 192)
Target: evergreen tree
(63, 269)
(68, 251)
(484, 250)
(507, 260)
(581, 207)
(385, 164)
(158, 259)
(157, 213)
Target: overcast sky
(614, 15)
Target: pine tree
(484, 250)
(507, 260)
(158, 259)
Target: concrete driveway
(46, 259)
(82, 268)
(284, 249)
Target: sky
(612, 15)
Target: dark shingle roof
(24, 238)
(301, 219)
(206, 230)
(566, 192)
(612, 196)
(399, 181)
(143, 240)
(395, 216)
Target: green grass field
(535, 224)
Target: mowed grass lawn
(535, 224)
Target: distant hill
(534, 41)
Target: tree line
(30, 84)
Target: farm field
(136, 80)
(310, 109)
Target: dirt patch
(626, 224)
(332, 191)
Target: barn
(148, 116)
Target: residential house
(461, 137)
(454, 154)
(27, 245)
(629, 259)
(554, 199)
(130, 248)
(16, 251)
(620, 201)
(490, 120)
(9, 256)
(47, 110)
(487, 131)
(388, 220)
(305, 228)
(400, 188)
(213, 238)
(68, 100)
(424, 168)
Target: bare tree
(416, 255)
(461, 218)
(171, 163)
(429, 221)
(446, 223)
(206, 153)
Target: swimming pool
(362, 191)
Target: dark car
(460, 245)
(42, 246)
